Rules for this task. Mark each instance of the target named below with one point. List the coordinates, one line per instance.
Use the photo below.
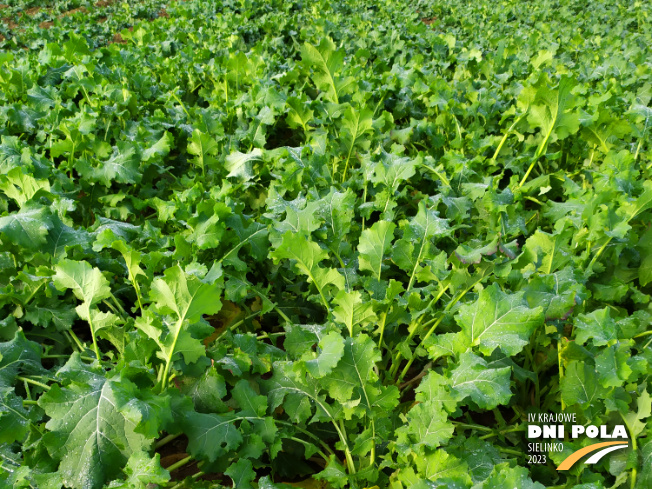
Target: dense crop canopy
(334, 244)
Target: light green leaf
(327, 62)
(373, 244)
(499, 320)
(87, 282)
(352, 311)
(486, 387)
(240, 165)
(86, 432)
(580, 385)
(306, 255)
(202, 146)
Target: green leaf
(580, 385)
(21, 186)
(334, 473)
(434, 390)
(499, 320)
(439, 464)
(352, 311)
(299, 395)
(355, 384)
(611, 365)
(306, 255)
(160, 148)
(90, 437)
(487, 387)
(550, 252)
(392, 170)
(355, 124)
(19, 356)
(142, 472)
(330, 351)
(241, 473)
(327, 62)
(211, 435)
(416, 244)
(240, 165)
(506, 477)
(27, 227)
(552, 111)
(14, 418)
(87, 283)
(467, 254)
(202, 146)
(373, 244)
(646, 466)
(122, 166)
(186, 297)
(426, 425)
(598, 326)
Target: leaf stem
(510, 452)
(173, 94)
(179, 464)
(504, 139)
(34, 382)
(95, 347)
(632, 435)
(166, 440)
(307, 433)
(168, 360)
(473, 426)
(382, 329)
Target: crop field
(325, 244)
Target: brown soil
(164, 13)
(11, 24)
(102, 20)
(33, 10)
(2, 5)
(46, 25)
(118, 39)
(2, 38)
(428, 21)
(105, 3)
(73, 11)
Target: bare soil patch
(46, 25)
(118, 39)
(73, 11)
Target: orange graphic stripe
(574, 457)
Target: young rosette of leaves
(89, 285)
(306, 256)
(337, 386)
(174, 319)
